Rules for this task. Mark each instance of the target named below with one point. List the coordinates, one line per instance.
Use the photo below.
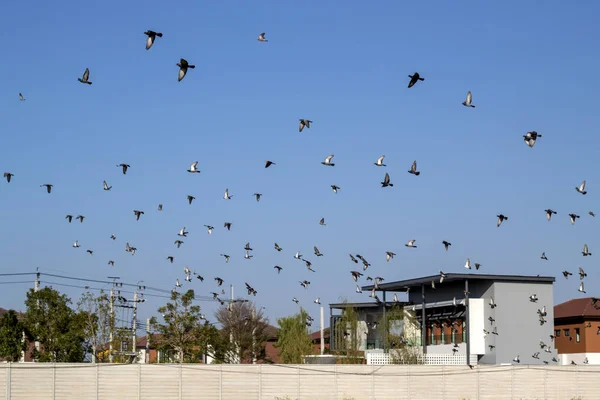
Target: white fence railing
(261, 382)
(380, 358)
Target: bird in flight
(124, 166)
(573, 217)
(581, 188)
(21, 97)
(137, 214)
(269, 163)
(261, 38)
(414, 78)
(85, 78)
(549, 213)
(543, 257)
(209, 229)
(178, 243)
(411, 243)
(76, 244)
(386, 181)
(278, 268)
(468, 100)
(322, 222)
(592, 213)
(257, 195)
(531, 137)
(226, 256)
(304, 123)
(501, 218)
(48, 187)
(277, 247)
(389, 255)
(226, 196)
(413, 169)
(69, 217)
(8, 176)
(80, 218)
(193, 168)
(183, 68)
(585, 251)
(335, 188)
(151, 38)
(446, 244)
(227, 225)
(328, 161)
(190, 198)
(379, 161)
(182, 232)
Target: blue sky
(344, 65)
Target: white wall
(476, 326)
(593, 358)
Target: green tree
(347, 336)
(293, 340)
(402, 336)
(58, 328)
(97, 321)
(247, 330)
(181, 331)
(11, 336)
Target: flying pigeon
(278, 268)
(322, 222)
(21, 97)
(90, 251)
(543, 257)
(442, 276)
(304, 123)
(194, 168)
(48, 187)
(492, 303)
(277, 247)
(413, 169)
(317, 252)
(113, 237)
(160, 207)
(8, 176)
(69, 217)
(353, 259)
(581, 188)
(386, 181)
(177, 284)
(111, 263)
(247, 256)
(592, 213)
(389, 255)
(328, 161)
(85, 78)
(582, 273)
(178, 243)
(533, 298)
(124, 166)
(566, 274)
(295, 300)
(469, 99)
(257, 195)
(182, 232)
(298, 256)
(411, 243)
(335, 188)
(226, 257)
(209, 228)
(190, 198)
(468, 263)
(106, 187)
(581, 288)
(379, 162)
(356, 275)
(247, 247)
(549, 213)
(226, 196)
(76, 244)
(531, 137)
(446, 244)
(501, 219)
(171, 258)
(269, 163)
(151, 37)
(183, 67)
(414, 78)
(219, 281)
(261, 38)
(585, 251)
(80, 218)
(358, 289)
(137, 214)
(573, 218)
(317, 301)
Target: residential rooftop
(577, 308)
(401, 286)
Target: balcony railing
(441, 339)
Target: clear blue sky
(344, 65)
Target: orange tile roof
(577, 308)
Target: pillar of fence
(8, 376)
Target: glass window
(577, 335)
(557, 333)
(567, 332)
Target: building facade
(577, 331)
(487, 319)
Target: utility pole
(323, 332)
(111, 322)
(134, 321)
(253, 335)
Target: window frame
(567, 332)
(577, 335)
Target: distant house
(271, 352)
(315, 337)
(577, 331)
(455, 322)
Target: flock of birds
(530, 139)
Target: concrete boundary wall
(42, 381)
